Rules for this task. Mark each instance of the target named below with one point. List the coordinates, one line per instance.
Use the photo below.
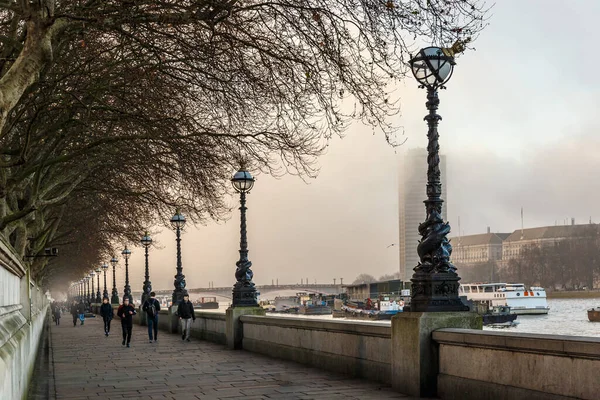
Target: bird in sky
(393, 244)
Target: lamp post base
(178, 296)
(436, 292)
(114, 299)
(244, 295)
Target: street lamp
(435, 281)
(178, 223)
(98, 298)
(104, 268)
(146, 242)
(244, 290)
(126, 253)
(114, 299)
(87, 292)
(92, 294)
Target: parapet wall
(23, 309)
(497, 365)
(358, 349)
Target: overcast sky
(519, 129)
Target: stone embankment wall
(359, 349)
(469, 363)
(208, 325)
(23, 309)
(500, 365)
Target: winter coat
(147, 303)
(106, 311)
(185, 310)
(75, 310)
(123, 313)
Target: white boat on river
(521, 300)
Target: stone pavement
(84, 364)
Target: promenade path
(84, 364)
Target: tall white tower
(412, 193)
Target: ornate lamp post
(88, 296)
(244, 290)
(435, 281)
(178, 223)
(92, 294)
(104, 268)
(98, 298)
(114, 299)
(126, 253)
(146, 242)
(79, 295)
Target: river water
(566, 317)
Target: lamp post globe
(146, 241)
(126, 253)
(105, 292)
(114, 298)
(244, 292)
(178, 223)
(98, 298)
(435, 281)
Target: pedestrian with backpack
(107, 313)
(126, 312)
(152, 307)
(185, 310)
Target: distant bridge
(225, 292)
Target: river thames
(566, 317)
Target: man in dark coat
(107, 313)
(126, 312)
(185, 310)
(75, 312)
(152, 307)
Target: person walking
(185, 310)
(75, 312)
(107, 313)
(126, 312)
(152, 307)
(81, 309)
(57, 314)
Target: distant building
(412, 193)
(543, 236)
(477, 249)
(503, 247)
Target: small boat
(594, 314)
(499, 317)
(207, 303)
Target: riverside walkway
(84, 364)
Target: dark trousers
(75, 318)
(127, 331)
(57, 320)
(152, 326)
(107, 325)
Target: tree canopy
(112, 113)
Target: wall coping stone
(353, 328)
(200, 314)
(559, 345)
(9, 260)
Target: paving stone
(88, 365)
